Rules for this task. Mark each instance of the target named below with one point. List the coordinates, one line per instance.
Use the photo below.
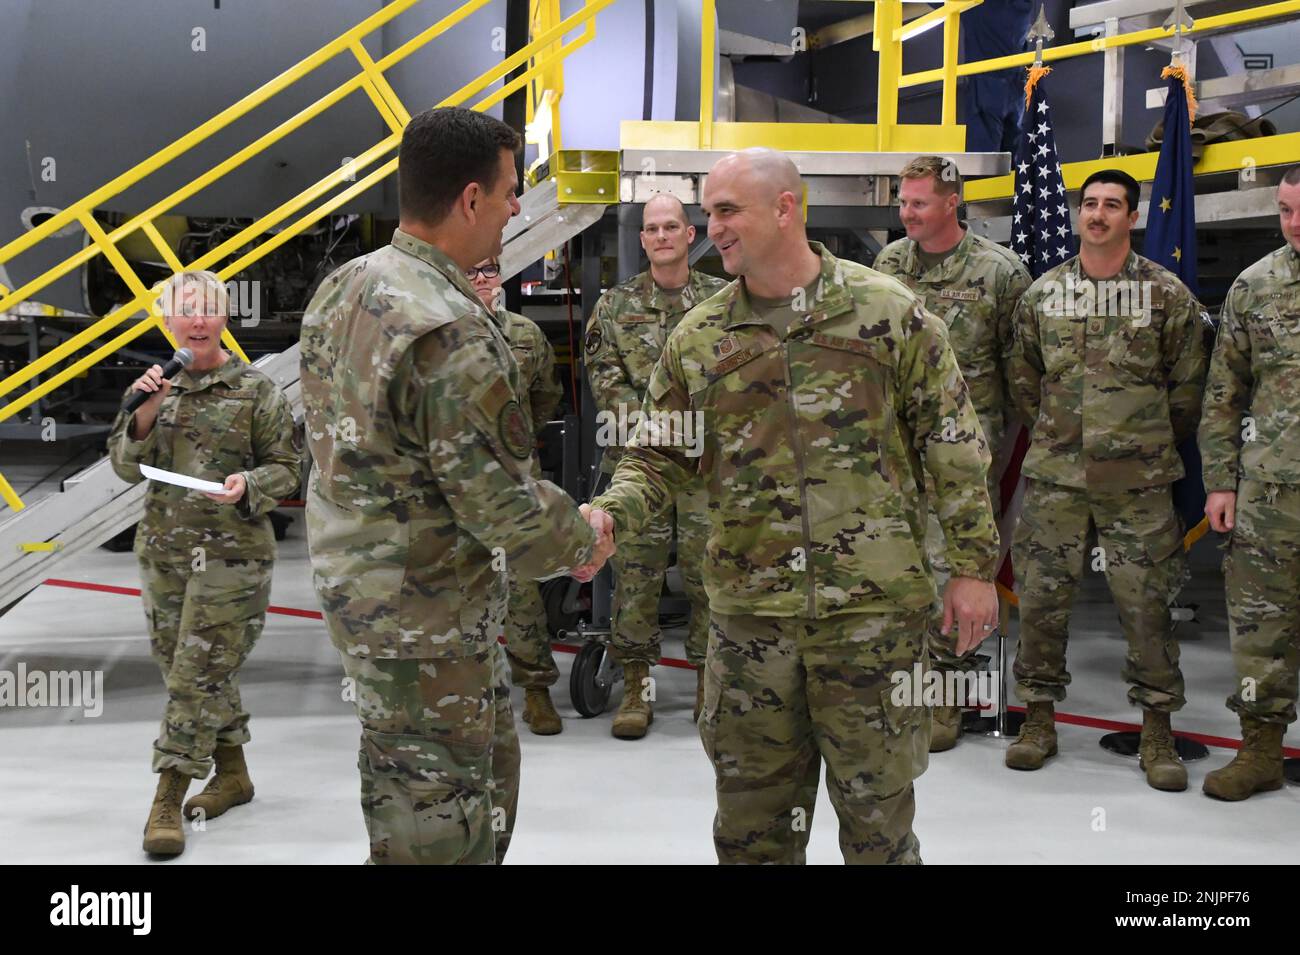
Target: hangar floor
(77, 789)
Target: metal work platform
(832, 178)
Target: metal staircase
(95, 504)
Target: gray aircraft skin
(89, 88)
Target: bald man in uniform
(824, 388)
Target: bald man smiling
(825, 388)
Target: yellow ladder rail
(545, 51)
(202, 132)
(10, 496)
(1099, 44)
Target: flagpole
(1004, 724)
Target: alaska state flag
(1171, 220)
(1171, 241)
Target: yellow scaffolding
(537, 57)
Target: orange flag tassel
(1036, 73)
(1179, 71)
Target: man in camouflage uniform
(421, 499)
(1108, 363)
(973, 285)
(205, 559)
(1250, 446)
(824, 387)
(624, 339)
(528, 640)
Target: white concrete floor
(77, 790)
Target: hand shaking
(603, 525)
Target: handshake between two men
(970, 605)
(603, 525)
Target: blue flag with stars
(1040, 216)
(1171, 219)
(1171, 242)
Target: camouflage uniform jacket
(1255, 373)
(1109, 374)
(975, 291)
(813, 450)
(421, 499)
(540, 390)
(212, 424)
(625, 337)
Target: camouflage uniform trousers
(202, 626)
(943, 646)
(639, 565)
(1140, 549)
(1262, 574)
(439, 758)
(528, 637)
(783, 693)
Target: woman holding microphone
(205, 559)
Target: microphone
(178, 361)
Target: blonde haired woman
(205, 559)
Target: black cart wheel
(590, 696)
(554, 594)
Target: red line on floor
(1071, 718)
(103, 588)
(135, 592)
(1116, 726)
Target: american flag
(1040, 215)
(1043, 238)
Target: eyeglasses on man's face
(487, 271)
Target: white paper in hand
(181, 480)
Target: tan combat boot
(945, 728)
(1256, 768)
(1037, 739)
(699, 691)
(164, 833)
(1157, 756)
(228, 787)
(634, 714)
(539, 712)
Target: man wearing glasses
(528, 644)
(623, 342)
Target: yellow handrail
(708, 36)
(889, 15)
(202, 132)
(545, 51)
(889, 33)
(546, 90)
(1099, 44)
(9, 496)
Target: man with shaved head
(827, 393)
(624, 339)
